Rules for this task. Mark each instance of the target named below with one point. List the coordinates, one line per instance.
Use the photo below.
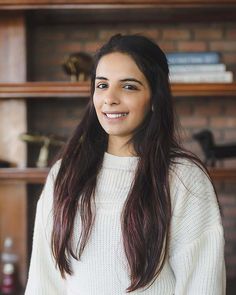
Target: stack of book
(198, 67)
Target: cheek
(96, 103)
(143, 108)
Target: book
(206, 77)
(188, 68)
(210, 57)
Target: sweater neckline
(116, 162)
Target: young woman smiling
(126, 209)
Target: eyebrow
(122, 80)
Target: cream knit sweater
(195, 264)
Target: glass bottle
(9, 282)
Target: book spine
(193, 58)
(197, 68)
(225, 77)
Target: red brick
(229, 163)
(223, 45)
(194, 148)
(230, 136)
(193, 121)
(229, 57)
(44, 50)
(185, 134)
(230, 212)
(228, 223)
(152, 33)
(228, 200)
(230, 187)
(219, 186)
(59, 36)
(183, 109)
(70, 123)
(176, 34)
(231, 272)
(223, 122)
(206, 109)
(105, 34)
(167, 46)
(53, 61)
(218, 135)
(92, 47)
(230, 33)
(232, 260)
(70, 47)
(192, 46)
(82, 34)
(229, 249)
(208, 34)
(230, 108)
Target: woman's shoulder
(195, 208)
(185, 164)
(54, 170)
(46, 197)
(185, 170)
(189, 180)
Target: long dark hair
(146, 214)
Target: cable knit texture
(195, 264)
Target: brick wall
(49, 44)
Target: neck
(120, 147)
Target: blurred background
(45, 48)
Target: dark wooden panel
(145, 13)
(44, 90)
(109, 10)
(159, 2)
(13, 198)
(13, 222)
(12, 47)
(36, 175)
(29, 175)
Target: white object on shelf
(8, 256)
(206, 77)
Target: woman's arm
(197, 239)
(44, 278)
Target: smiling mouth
(115, 116)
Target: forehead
(118, 64)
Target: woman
(126, 209)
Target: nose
(111, 97)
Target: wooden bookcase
(15, 90)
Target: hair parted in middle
(146, 215)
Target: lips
(115, 115)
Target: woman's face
(121, 95)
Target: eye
(130, 87)
(101, 86)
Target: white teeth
(114, 116)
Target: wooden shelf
(29, 175)
(36, 175)
(125, 10)
(223, 174)
(76, 3)
(204, 89)
(43, 90)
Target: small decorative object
(78, 65)
(9, 259)
(45, 142)
(214, 151)
(4, 164)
